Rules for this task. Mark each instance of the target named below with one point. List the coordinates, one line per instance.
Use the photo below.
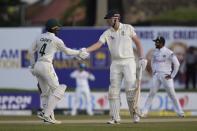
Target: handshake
(83, 54)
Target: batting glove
(83, 54)
(142, 63)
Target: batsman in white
(82, 88)
(165, 66)
(119, 38)
(46, 45)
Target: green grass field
(97, 123)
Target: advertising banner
(178, 39)
(19, 101)
(160, 102)
(14, 60)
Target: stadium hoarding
(14, 57)
(14, 60)
(161, 101)
(19, 101)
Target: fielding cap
(82, 65)
(159, 39)
(112, 13)
(52, 24)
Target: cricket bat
(138, 91)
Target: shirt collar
(120, 27)
(161, 49)
(50, 33)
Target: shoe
(181, 115)
(144, 113)
(90, 113)
(73, 113)
(57, 122)
(40, 115)
(48, 120)
(112, 121)
(136, 118)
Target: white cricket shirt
(162, 61)
(46, 45)
(82, 78)
(119, 42)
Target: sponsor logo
(13, 101)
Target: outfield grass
(97, 123)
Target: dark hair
(112, 13)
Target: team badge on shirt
(122, 33)
(112, 37)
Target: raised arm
(78, 53)
(94, 47)
(91, 77)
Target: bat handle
(140, 73)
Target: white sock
(51, 105)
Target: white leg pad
(59, 92)
(57, 95)
(130, 94)
(114, 103)
(44, 102)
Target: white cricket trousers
(158, 79)
(46, 77)
(82, 91)
(121, 72)
(52, 92)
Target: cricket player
(82, 88)
(46, 45)
(165, 66)
(119, 38)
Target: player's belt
(44, 61)
(160, 72)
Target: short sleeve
(103, 38)
(132, 31)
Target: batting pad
(130, 94)
(59, 92)
(114, 105)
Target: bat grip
(140, 73)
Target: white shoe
(181, 115)
(57, 122)
(136, 118)
(40, 115)
(112, 121)
(73, 113)
(144, 113)
(90, 113)
(48, 120)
